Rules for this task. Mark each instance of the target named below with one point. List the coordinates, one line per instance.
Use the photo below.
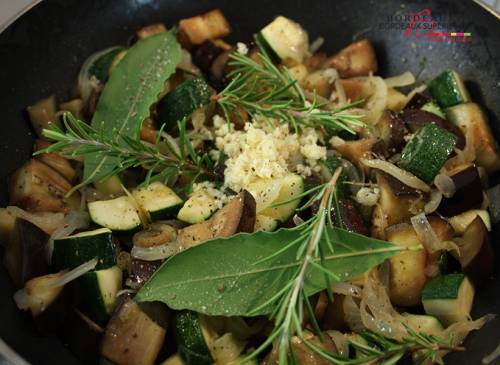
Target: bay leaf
(227, 276)
(129, 93)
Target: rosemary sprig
(270, 91)
(80, 139)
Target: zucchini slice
(111, 186)
(182, 101)
(116, 214)
(449, 89)
(99, 289)
(101, 63)
(285, 39)
(449, 298)
(197, 208)
(158, 200)
(191, 341)
(291, 187)
(265, 223)
(433, 108)
(427, 151)
(72, 251)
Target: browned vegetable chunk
(25, 253)
(354, 151)
(393, 205)
(196, 30)
(407, 269)
(55, 160)
(42, 113)
(237, 216)
(476, 253)
(150, 30)
(38, 187)
(357, 59)
(132, 337)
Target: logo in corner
(423, 27)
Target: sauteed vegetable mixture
(204, 202)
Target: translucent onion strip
(445, 185)
(74, 274)
(402, 175)
(405, 79)
(428, 237)
(155, 252)
(433, 203)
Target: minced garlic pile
(265, 150)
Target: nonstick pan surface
(41, 53)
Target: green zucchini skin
(443, 287)
(427, 151)
(182, 101)
(260, 40)
(98, 292)
(449, 89)
(101, 66)
(191, 343)
(72, 251)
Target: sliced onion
(316, 45)
(125, 291)
(156, 234)
(347, 289)
(340, 341)
(495, 354)
(143, 215)
(405, 79)
(352, 314)
(156, 252)
(402, 175)
(73, 221)
(87, 82)
(433, 203)
(418, 89)
(377, 102)
(457, 332)
(445, 185)
(75, 273)
(297, 220)
(377, 312)
(428, 237)
(46, 221)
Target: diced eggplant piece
(407, 269)
(150, 30)
(55, 160)
(469, 116)
(357, 59)
(476, 253)
(206, 54)
(417, 101)
(74, 106)
(43, 113)
(132, 337)
(354, 151)
(392, 130)
(356, 89)
(237, 216)
(320, 82)
(196, 30)
(334, 317)
(26, 252)
(141, 271)
(82, 336)
(7, 224)
(468, 194)
(351, 218)
(39, 294)
(393, 205)
(417, 118)
(461, 222)
(38, 187)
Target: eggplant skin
(357, 59)
(25, 253)
(468, 194)
(39, 188)
(237, 216)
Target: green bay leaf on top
(230, 276)
(129, 93)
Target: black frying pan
(42, 51)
